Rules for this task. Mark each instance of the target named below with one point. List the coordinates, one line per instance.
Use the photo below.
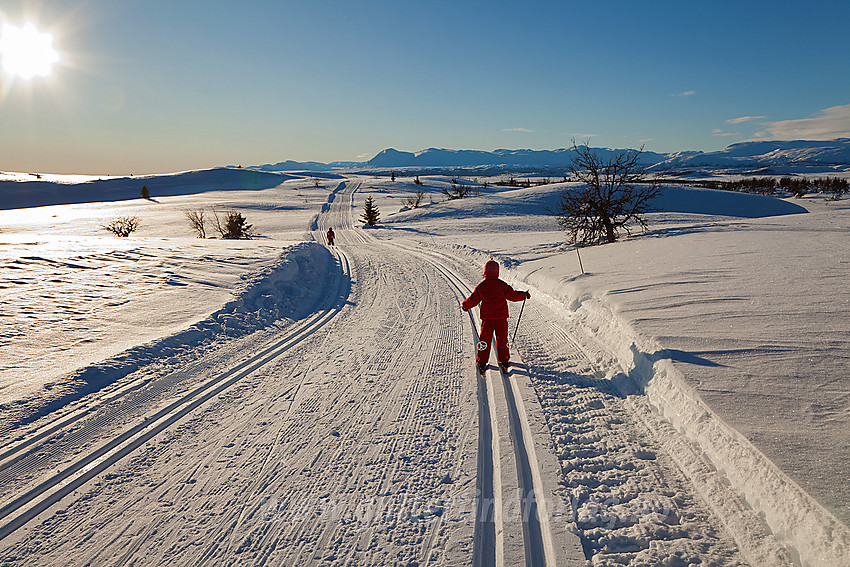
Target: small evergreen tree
(146, 194)
(370, 215)
(234, 227)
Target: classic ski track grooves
(536, 531)
(33, 502)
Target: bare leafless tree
(198, 222)
(615, 194)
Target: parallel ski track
(337, 214)
(489, 529)
(23, 508)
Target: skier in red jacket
(493, 294)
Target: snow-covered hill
(33, 190)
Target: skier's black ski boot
(504, 366)
(482, 368)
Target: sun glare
(26, 52)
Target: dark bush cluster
(760, 185)
(527, 183)
(796, 186)
(834, 185)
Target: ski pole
(517, 322)
(575, 243)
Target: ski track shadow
(620, 386)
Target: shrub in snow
(838, 187)
(458, 191)
(122, 226)
(616, 193)
(797, 186)
(370, 215)
(234, 226)
(197, 221)
(415, 200)
(146, 194)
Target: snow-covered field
(165, 399)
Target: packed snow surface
(684, 400)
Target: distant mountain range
(777, 156)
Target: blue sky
(147, 86)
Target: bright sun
(26, 52)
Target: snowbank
(816, 535)
(283, 291)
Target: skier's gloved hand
(528, 295)
(465, 308)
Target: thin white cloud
(685, 94)
(828, 124)
(718, 132)
(517, 130)
(744, 119)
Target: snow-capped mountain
(801, 154)
(434, 157)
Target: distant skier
(493, 294)
(331, 236)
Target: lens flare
(27, 52)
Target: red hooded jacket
(493, 294)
